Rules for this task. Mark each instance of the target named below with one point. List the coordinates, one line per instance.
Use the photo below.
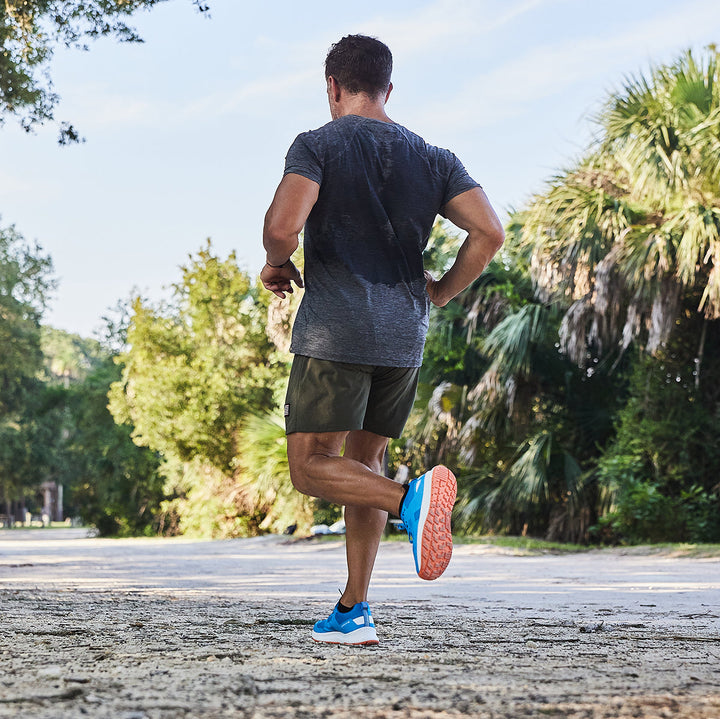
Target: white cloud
(547, 71)
(454, 21)
(263, 90)
(98, 106)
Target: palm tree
(630, 235)
(495, 388)
(623, 248)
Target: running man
(366, 190)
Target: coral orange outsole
(437, 534)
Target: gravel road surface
(166, 628)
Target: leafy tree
(625, 239)
(114, 485)
(25, 283)
(62, 431)
(13, 457)
(660, 474)
(54, 422)
(31, 29)
(193, 372)
(67, 357)
(628, 243)
(195, 367)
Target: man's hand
(279, 279)
(470, 211)
(434, 291)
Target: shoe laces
(403, 528)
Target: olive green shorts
(325, 396)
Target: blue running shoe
(425, 515)
(353, 627)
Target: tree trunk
(6, 502)
(701, 351)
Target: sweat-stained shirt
(381, 188)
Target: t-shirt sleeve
(302, 159)
(458, 181)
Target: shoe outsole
(364, 636)
(437, 534)
(368, 643)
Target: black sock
(342, 608)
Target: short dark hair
(360, 64)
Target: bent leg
(363, 525)
(317, 469)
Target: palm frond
(264, 472)
(510, 344)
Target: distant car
(321, 529)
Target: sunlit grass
(674, 549)
(528, 544)
(532, 545)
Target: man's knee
(300, 479)
(305, 451)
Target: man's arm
(294, 198)
(470, 211)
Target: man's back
(381, 187)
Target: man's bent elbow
(494, 233)
(487, 241)
(497, 238)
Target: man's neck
(362, 105)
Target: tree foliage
(29, 32)
(623, 239)
(113, 485)
(194, 368)
(25, 284)
(201, 378)
(54, 422)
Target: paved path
(149, 628)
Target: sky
(186, 133)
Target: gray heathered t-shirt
(381, 188)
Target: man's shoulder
(432, 152)
(330, 134)
(332, 139)
(334, 127)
